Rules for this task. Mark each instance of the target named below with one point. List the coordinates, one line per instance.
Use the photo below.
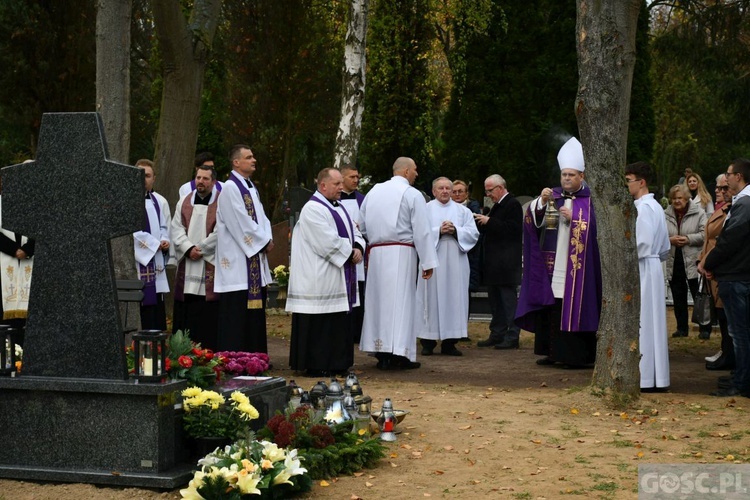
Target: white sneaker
(713, 358)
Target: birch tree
(353, 86)
(606, 57)
(185, 45)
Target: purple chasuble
(254, 283)
(148, 272)
(582, 297)
(350, 269)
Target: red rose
(208, 354)
(197, 352)
(185, 361)
(168, 364)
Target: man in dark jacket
(502, 231)
(729, 264)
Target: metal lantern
(336, 413)
(8, 351)
(318, 395)
(150, 355)
(552, 215)
(295, 394)
(387, 421)
(351, 379)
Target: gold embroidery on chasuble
(248, 240)
(225, 264)
(142, 244)
(378, 344)
(577, 237)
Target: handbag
(703, 304)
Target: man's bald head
(405, 167)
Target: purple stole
(179, 286)
(350, 269)
(254, 283)
(192, 186)
(581, 302)
(148, 272)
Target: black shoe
(464, 339)
(405, 364)
(725, 378)
(721, 364)
(507, 344)
(451, 352)
(426, 351)
(545, 361)
(490, 342)
(654, 389)
(704, 335)
(679, 333)
(384, 364)
(728, 392)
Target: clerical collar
(348, 196)
(249, 183)
(205, 200)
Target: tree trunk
(353, 87)
(606, 57)
(185, 46)
(113, 103)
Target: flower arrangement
(328, 451)
(249, 467)
(207, 413)
(186, 360)
(243, 363)
(281, 275)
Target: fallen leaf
(368, 484)
(536, 441)
(355, 497)
(416, 454)
(427, 495)
(324, 483)
(439, 472)
(464, 428)
(394, 455)
(406, 446)
(595, 414)
(574, 411)
(448, 448)
(543, 384)
(393, 465)
(358, 474)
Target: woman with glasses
(686, 222)
(724, 359)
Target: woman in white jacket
(686, 222)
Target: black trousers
(680, 284)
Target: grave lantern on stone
(8, 351)
(150, 356)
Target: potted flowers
(249, 467)
(212, 421)
(281, 277)
(237, 363)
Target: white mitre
(571, 155)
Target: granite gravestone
(72, 200)
(72, 414)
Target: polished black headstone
(73, 200)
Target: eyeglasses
(722, 188)
(730, 173)
(628, 181)
(489, 191)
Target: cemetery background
(494, 424)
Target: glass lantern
(8, 351)
(150, 355)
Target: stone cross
(73, 200)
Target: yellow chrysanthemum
(191, 392)
(213, 397)
(266, 464)
(248, 411)
(239, 398)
